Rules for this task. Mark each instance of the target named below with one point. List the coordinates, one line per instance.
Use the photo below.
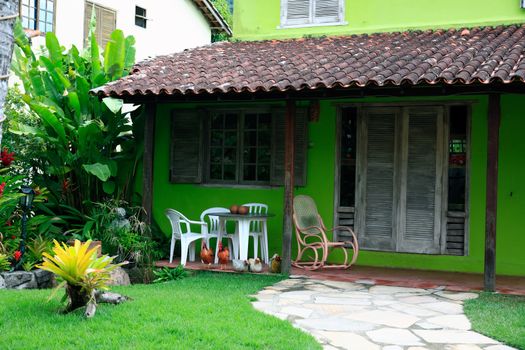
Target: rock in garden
(2, 283)
(44, 279)
(119, 277)
(20, 280)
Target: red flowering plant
(6, 157)
(11, 214)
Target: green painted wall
(193, 199)
(511, 196)
(260, 19)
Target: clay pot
(243, 210)
(234, 209)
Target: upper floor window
(311, 12)
(106, 22)
(38, 14)
(140, 17)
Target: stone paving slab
(366, 316)
(387, 318)
(453, 336)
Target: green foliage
(224, 9)
(28, 265)
(167, 274)
(121, 230)
(36, 249)
(28, 149)
(5, 265)
(88, 145)
(11, 213)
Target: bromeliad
(83, 274)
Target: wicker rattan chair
(310, 232)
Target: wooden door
(421, 170)
(376, 160)
(399, 179)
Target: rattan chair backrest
(306, 214)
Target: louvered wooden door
(421, 181)
(399, 179)
(376, 178)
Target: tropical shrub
(90, 150)
(36, 248)
(167, 274)
(122, 232)
(10, 211)
(28, 149)
(81, 271)
(5, 265)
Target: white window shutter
(297, 12)
(328, 11)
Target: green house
(408, 126)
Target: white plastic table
(243, 230)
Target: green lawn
(205, 311)
(501, 317)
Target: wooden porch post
(494, 117)
(147, 171)
(289, 166)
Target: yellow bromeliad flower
(79, 266)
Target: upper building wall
(261, 19)
(172, 25)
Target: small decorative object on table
(275, 264)
(243, 210)
(255, 265)
(234, 209)
(240, 265)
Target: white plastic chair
(186, 236)
(259, 230)
(213, 228)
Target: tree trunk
(8, 15)
(78, 299)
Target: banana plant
(90, 145)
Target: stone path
(364, 316)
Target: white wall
(173, 25)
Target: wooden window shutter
(328, 11)
(296, 12)
(375, 200)
(421, 189)
(106, 22)
(301, 146)
(186, 151)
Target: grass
(205, 311)
(501, 317)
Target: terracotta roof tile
(455, 56)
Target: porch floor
(453, 281)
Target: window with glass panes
(240, 148)
(140, 17)
(224, 141)
(38, 14)
(257, 147)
